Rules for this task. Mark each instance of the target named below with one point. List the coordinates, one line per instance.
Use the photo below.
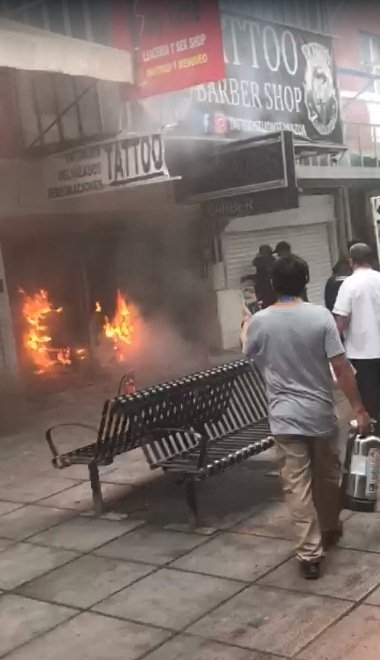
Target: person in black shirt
(341, 270)
(283, 249)
(263, 264)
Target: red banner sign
(178, 44)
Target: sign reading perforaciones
(105, 165)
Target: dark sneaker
(310, 570)
(331, 538)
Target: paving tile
(152, 545)
(30, 520)
(86, 581)
(362, 532)
(273, 521)
(374, 598)
(23, 562)
(355, 637)
(184, 528)
(185, 647)
(31, 490)
(4, 544)
(169, 599)
(7, 507)
(83, 534)
(236, 556)
(93, 637)
(21, 619)
(270, 620)
(347, 574)
(79, 497)
(133, 470)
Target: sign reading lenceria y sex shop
(178, 44)
(105, 165)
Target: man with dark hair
(283, 249)
(263, 264)
(341, 271)
(293, 343)
(357, 314)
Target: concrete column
(343, 216)
(9, 370)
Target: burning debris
(121, 329)
(37, 312)
(122, 343)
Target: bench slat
(225, 404)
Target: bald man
(357, 314)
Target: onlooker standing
(341, 271)
(283, 249)
(264, 263)
(292, 344)
(357, 313)
(250, 303)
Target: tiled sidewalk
(137, 584)
(79, 587)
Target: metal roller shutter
(308, 241)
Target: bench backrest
(211, 403)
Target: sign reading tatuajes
(277, 78)
(247, 167)
(103, 165)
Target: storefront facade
(166, 254)
(270, 54)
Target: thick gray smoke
(158, 353)
(157, 267)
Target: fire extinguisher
(127, 384)
(361, 471)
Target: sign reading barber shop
(277, 78)
(105, 165)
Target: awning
(31, 49)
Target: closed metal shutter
(311, 242)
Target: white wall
(8, 358)
(230, 306)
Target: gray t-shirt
(291, 345)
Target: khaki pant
(311, 476)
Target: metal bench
(197, 426)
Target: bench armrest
(49, 437)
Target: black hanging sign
(243, 177)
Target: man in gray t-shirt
(293, 343)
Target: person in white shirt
(357, 314)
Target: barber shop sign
(277, 78)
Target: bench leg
(191, 498)
(96, 489)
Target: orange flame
(36, 309)
(120, 329)
(98, 307)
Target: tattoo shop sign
(105, 165)
(277, 78)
